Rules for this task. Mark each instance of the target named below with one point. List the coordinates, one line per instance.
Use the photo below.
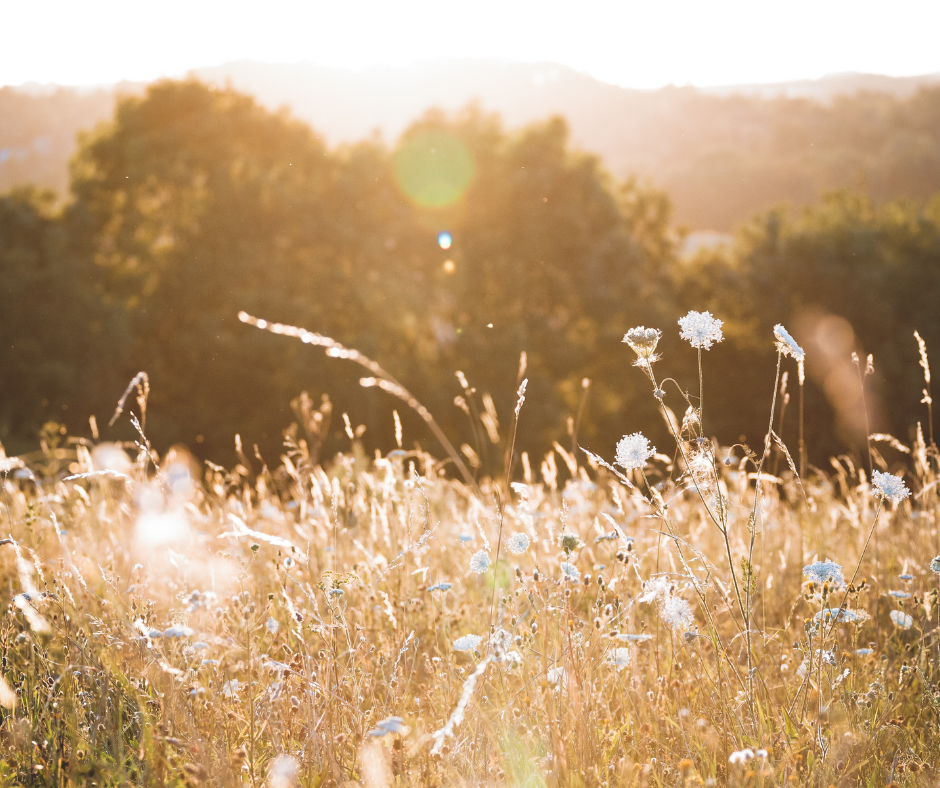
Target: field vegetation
(612, 615)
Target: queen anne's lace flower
(467, 642)
(518, 543)
(620, 658)
(570, 572)
(479, 562)
(822, 572)
(889, 486)
(841, 616)
(643, 341)
(787, 344)
(901, 620)
(633, 451)
(700, 329)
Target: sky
(634, 44)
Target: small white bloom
(272, 625)
(889, 486)
(177, 632)
(441, 587)
(700, 329)
(643, 342)
(787, 344)
(479, 562)
(631, 637)
(741, 756)
(389, 725)
(820, 572)
(620, 658)
(935, 565)
(518, 543)
(570, 572)
(901, 620)
(676, 613)
(467, 642)
(842, 616)
(633, 451)
(557, 677)
(899, 594)
(230, 688)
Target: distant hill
(721, 153)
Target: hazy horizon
(626, 44)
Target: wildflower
(906, 577)
(569, 542)
(441, 587)
(643, 342)
(633, 451)
(620, 658)
(570, 572)
(177, 632)
(557, 676)
(899, 594)
(889, 486)
(842, 616)
(230, 688)
(700, 329)
(741, 756)
(389, 725)
(632, 637)
(901, 620)
(822, 572)
(935, 565)
(864, 652)
(787, 344)
(676, 613)
(479, 562)
(467, 642)
(511, 659)
(518, 543)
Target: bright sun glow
(625, 42)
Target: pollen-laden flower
(822, 572)
(787, 344)
(643, 342)
(620, 658)
(633, 451)
(467, 642)
(700, 329)
(888, 486)
(479, 562)
(518, 543)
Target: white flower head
(935, 565)
(821, 572)
(676, 613)
(643, 342)
(620, 658)
(557, 677)
(479, 562)
(633, 451)
(272, 626)
(570, 572)
(787, 344)
(467, 642)
(842, 616)
(389, 725)
(888, 486)
(901, 620)
(518, 543)
(741, 756)
(700, 329)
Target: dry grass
(175, 625)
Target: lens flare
(433, 168)
(444, 239)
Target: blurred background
(446, 187)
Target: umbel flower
(643, 342)
(701, 329)
(787, 344)
(479, 562)
(633, 451)
(518, 543)
(822, 572)
(889, 486)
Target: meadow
(605, 615)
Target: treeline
(194, 204)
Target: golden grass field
(383, 621)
